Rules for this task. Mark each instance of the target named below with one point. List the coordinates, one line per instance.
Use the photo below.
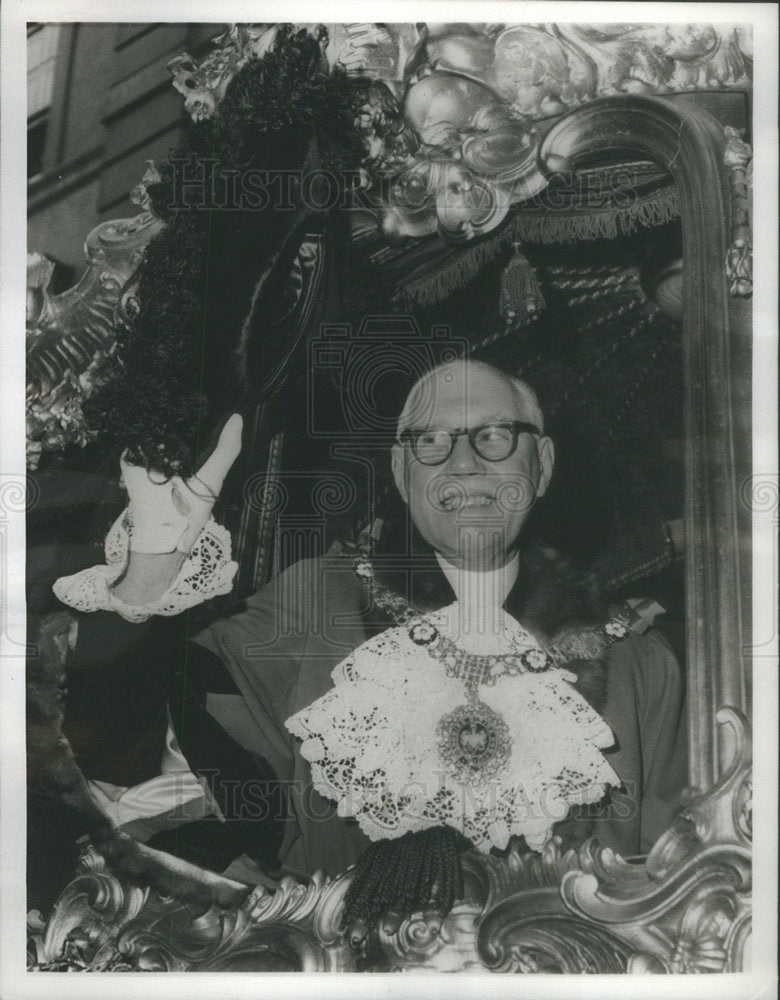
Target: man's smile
(454, 498)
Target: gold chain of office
(475, 669)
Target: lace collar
(404, 741)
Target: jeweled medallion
(474, 741)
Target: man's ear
(546, 452)
(399, 471)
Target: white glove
(168, 514)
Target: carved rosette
(686, 909)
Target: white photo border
(15, 981)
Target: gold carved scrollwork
(693, 912)
(686, 909)
(71, 335)
(518, 941)
(738, 157)
(538, 69)
(82, 929)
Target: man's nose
(463, 458)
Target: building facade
(99, 103)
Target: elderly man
(478, 686)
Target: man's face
(468, 508)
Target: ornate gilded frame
(692, 146)
(687, 908)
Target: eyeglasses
(493, 442)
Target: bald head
(466, 375)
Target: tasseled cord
(520, 298)
(419, 871)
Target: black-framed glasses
(493, 442)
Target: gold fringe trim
(656, 210)
(447, 276)
(426, 287)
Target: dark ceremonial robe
(281, 646)
(232, 689)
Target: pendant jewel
(474, 741)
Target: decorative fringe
(414, 872)
(451, 274)
(447, 276)
(653, 210)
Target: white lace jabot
(373, 746)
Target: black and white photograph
(389, 497)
